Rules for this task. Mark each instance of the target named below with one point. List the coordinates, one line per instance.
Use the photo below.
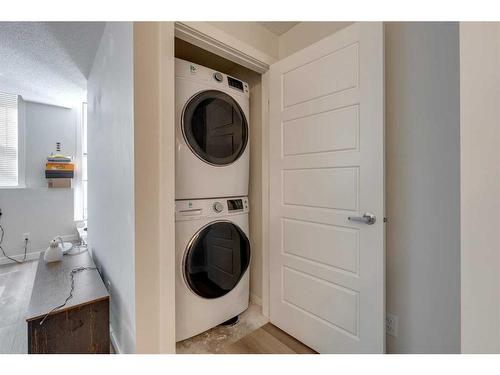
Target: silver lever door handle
(367, 218)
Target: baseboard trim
(30, 256)
(255, 300)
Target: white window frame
(81, 156)
(84, 161)
(20, 146)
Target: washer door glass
(215, 127)
(216, 259)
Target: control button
(218, 77)
(218, 207)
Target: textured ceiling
(48, 62)
(278, 27)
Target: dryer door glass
(215, 127)
(216, 259)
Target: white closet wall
(480, 185)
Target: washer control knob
(218, 207)
(218, 77)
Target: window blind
(8, 140)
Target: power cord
(72, 274)
(3, 251)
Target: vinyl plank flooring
(7, 338)
(20, 342)
(288, 340)
(259, 342)
(16, 283)
(268, 339)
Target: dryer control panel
(218, 80)
(215, 207)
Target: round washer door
(215, 127)
(216, 259)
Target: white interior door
(327, 284)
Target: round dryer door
(216, 259)
(215, 127)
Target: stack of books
(59, 171)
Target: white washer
(212, 133)
(212, 263)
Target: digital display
(235, 83)
(234, 204)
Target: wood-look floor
(16, 282)
(268, 339)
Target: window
(9, 147)
(81, 176)
(84, 160)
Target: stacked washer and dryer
(211, 176)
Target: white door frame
(205, 36)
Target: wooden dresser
(82, 326)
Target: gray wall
(111, 175)
(423, 186)
(43, 213)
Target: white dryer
(212, 133)
(212, 263)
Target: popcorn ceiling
(48, 62)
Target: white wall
(480, 186)
(35, 209)
(252, 33)
(304, 34)
(154, 145)
(111, 175)
(242, 34)
(422, 182)
(43, 213)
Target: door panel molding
(326, 158)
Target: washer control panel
(218, 77)
(216, 207)
(235, 204)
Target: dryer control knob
(218, 77)
(218, 207)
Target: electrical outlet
(26, 237)
(391, 325)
